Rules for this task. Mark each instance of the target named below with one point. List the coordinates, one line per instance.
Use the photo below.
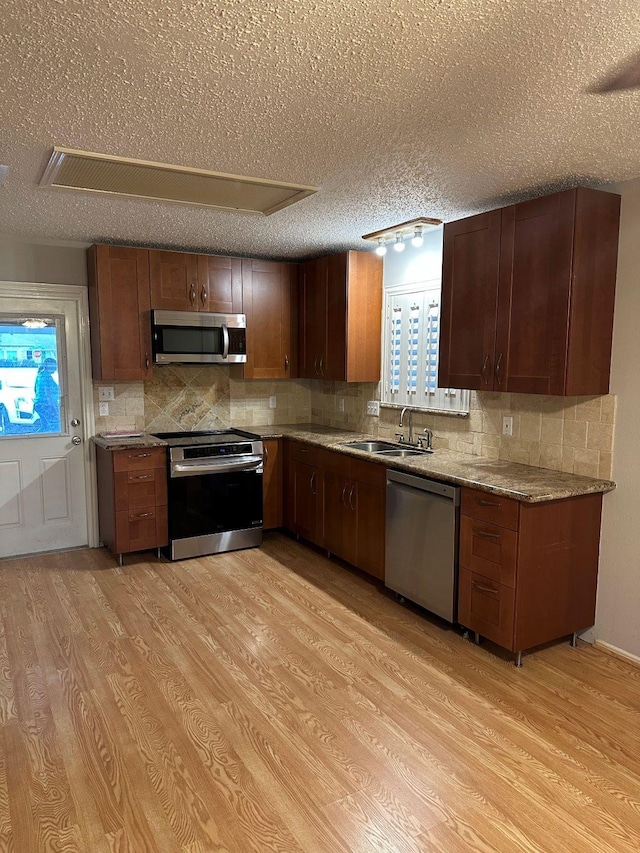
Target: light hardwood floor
(271, 700)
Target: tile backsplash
(572, 434)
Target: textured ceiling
(395, 110)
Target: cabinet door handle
(482, 588)
(146, 361)
(266, 452)
(485, 534)
(203, 295)
(133, 516)
(486, 503)
(321, 365)
(142, 477)
(344, 489)
(484, 373)
(497, 370)
(286, 362)
(351, 499)
(315, 365)
(312, 483)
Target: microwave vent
(122, 176)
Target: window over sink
(411, 329)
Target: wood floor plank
(274, 700)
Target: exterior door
(43, 488)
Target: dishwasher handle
(434, 487)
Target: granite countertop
(509, 479)
(120, 443)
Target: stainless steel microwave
(197, 337)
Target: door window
(32, 361)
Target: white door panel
(43, 497)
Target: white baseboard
(614, 650)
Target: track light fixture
(397, 234)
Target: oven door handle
(225, 341)
(206, 466)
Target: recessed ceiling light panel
(122, 176)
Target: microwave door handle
(225, 341)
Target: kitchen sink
(402, 452)
(372, 446)
(386, 448)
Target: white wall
(49, 263)
(423, 264)
(618, 612)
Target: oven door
(214, 505)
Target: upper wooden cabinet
(119, 313)
(340, 317)
(269, 299)
(528, 295)
(185, 282)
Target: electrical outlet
(341, 404)
(507, 426)
(373, 408)
(272, 402)
(105, 393)
(104, 409)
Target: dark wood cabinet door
(535, 281)
(334, 360)
(306, 483)
(269, 297)
(364, 317)
(174, 281)
(471, 255)
(313, 317)
(272, 484)
(340, 516)
(119, 306)
(370, 510)
(219, 285)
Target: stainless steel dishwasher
(421, 554)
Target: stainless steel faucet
(410, 419)
(426, 439)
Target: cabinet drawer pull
(485, 533)
(146, 361)
(136, 515)
(138, 455)
(483, 372)
(142, 477)
(497, 370)
(286, 362)
(487, 503)
(481, 588)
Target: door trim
(78, 294)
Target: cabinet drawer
(299, 452)
(133, 489)
(141, 529)
(486, 607)
(492, 508)
(489, 550)
(135, 460)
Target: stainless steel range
(215, 492)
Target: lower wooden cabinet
(528, 572)
(337, 503)
(132, 498)
(272, 484)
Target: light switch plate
(272, 402)
(341, 404)
(507, 426)
(104, 409)
(105, 393)
(373, 407)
